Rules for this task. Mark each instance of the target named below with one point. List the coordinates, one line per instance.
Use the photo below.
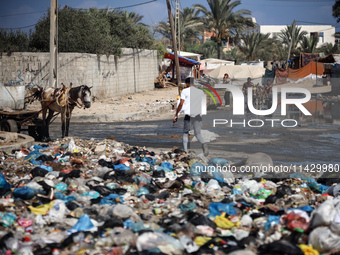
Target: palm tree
(222, 18)
(236, 55)
(189, 25)
(135, 18)
(255, 45)
(329, 48)
(286, 37)
(308, 44)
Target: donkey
(62, 101)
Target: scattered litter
(76, 196)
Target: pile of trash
(105, 197)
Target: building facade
(324, 32)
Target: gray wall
(134, 71)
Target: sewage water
(314, 140)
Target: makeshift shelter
(312, 68)
(239, 74)
(210, 64)
(188, 67)
(306, 58)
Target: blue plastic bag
(187, 207)
(219, 161)
(48, 168)
(216, 209)
(142, 191)
(84, 223)
(3, 183)
(66, 199)
(91, 193)
(111, 199)
(121, 167)
(271, 218)
(167, 166)
(128, 223)
(197, 169)
(25, 193)
(61, 186)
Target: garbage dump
(76, 196)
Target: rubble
(76, 196)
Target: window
(318, 34)
(321, 38)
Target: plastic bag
(216, 209)
(84, 224)
(325, 213)
(219, 161)
(164, 242)
(3, 183)
(197, 169)
(58, 210)
(324, 240)
(25, 193)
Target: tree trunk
(219, 50)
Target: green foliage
(235, 54)
(222, 18)
(190, 27)
(329, 48)
(159, 46)
(208, 49)
(256, 46)
(286, 36)
(336, 10)
(85, 31)
(13, 41)
(308, 44)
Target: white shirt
(194, 102)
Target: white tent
(239, 74)
(212, 63)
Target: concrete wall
(110, 76)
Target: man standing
(192, 104)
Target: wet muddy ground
(313, 140)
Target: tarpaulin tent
(281, 76)
(212, 63)
(188, 67)
(313, 67)
(182, 60)
(268, 75)
(238, 73)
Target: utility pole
(177, 26)
(53, 81)
(291, 43)
(174, 45)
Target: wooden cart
(22, 120)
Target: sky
(24, 13)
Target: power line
(310, 22)
(133, 5)
(18, 14)
(17, 27)
(121, 7)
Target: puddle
(322, 112)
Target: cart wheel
(9, 125)
(36, 132)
